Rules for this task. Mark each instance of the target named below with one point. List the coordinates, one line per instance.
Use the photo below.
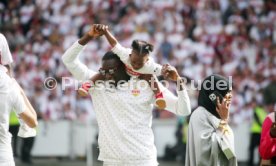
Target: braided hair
(142, 47)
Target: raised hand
(97, 30)
(170, 72)
(101, 28)
(223, 108)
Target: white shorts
(144, 163)
(7, 163)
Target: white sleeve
(178, 105)
(71, 60)
(25, 131)
(122, 52)
(5, 54)
(19, 106)
(18, 103)
(150, 67)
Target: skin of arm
(71, 60)
(29, 115)
(171, 73)
(180, 105)
(109, 36)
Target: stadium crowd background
(232, 37)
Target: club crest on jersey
(143, 84)
(135, 92)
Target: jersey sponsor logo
(135, 92)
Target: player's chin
(136, 67)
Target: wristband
(223, 126)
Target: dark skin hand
(92, 33)
(120, 73)
(223, 107)
(170, 72)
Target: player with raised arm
(137, 62)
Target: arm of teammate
(179, 105)
(108, 35)
(122, 52)
(71, 57)
(23, 107)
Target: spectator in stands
(165, 51)
(269, 95)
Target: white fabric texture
(7, 163)
(5, 54)
(10, 100)
(25, 131)
(144, 163)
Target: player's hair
(110, 55)
(142, 47)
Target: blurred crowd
(199, 37)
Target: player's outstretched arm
(103, 29)
(93, 32)
(122, 52)
(29, 116)
(71, 57)
(179, 105)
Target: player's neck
(123, 78)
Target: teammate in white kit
(12, 98)
(5, 55)
(124, 112)
(10, 83)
